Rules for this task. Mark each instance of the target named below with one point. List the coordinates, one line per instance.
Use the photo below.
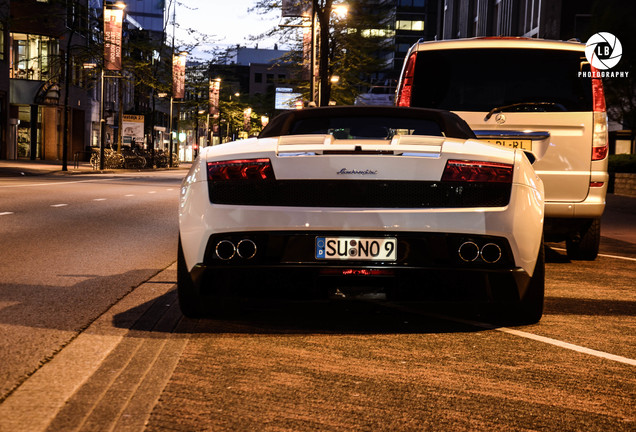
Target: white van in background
(510, 90)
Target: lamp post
(198, 138)
(170, 132)
(112, 61)
(312, 69)
(213, 108)
(178, 89)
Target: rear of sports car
(318, 215)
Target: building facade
(46, 82)
(50, 67)
(546, 19)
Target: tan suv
(513, 90)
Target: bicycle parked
(132, 159)
(112, 159)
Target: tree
(345, 46)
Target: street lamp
(341, 10)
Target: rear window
(483, 79)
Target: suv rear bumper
(592, 207)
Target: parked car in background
(403, 202)
(377, 95)
(510, 90)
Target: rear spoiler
(399, 145)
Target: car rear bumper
(309, 282)
(428, 265)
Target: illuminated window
(409, 25)
(367, 33)
(32, 56)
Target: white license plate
(356, 248)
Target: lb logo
(603, 50)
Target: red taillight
(599, 153)
(406, 85)
(356, 272)
(596, 184)
(477, 171)
(245, 169)
(598, 94)
(600, 143)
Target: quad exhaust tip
(246, 249)
(226, 250)
(469, 251)
(490, 253)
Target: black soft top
(295, 122)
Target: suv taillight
(477, 171)
(598, 95)
(243, 169)
(600, 146)
(406, 85)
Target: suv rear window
(482, 79)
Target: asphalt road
(95, 341)
(71, 247)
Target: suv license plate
(522, 144)
(356, 248)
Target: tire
(95, 161)
(585, 245)
(191, 303)
(530, 308)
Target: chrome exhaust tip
(468, 251)
(246, 249)
(225, 250)
(490, 253)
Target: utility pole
(174, 23)
(67, 84)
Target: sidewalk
(23, 167)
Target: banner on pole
(113, 21)
(215, 88)
(178, 75)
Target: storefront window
(25, 132)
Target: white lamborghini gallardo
(344, 200)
